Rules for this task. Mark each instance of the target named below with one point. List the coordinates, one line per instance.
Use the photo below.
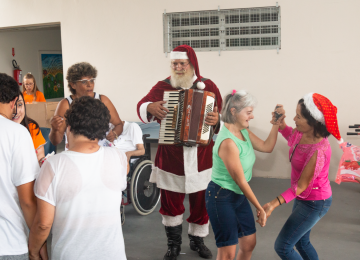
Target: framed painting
(51, 65)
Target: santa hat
(324, 111)
(186, 52)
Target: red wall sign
(13, 52)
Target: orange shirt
(30, 98)
(37, 139)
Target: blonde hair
(30, 76)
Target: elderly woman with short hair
(228, 192)
(81, 82)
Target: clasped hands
(158, 110)
(264, 213)
(278, 115)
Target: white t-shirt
(86, 190)
(18, 165)
(129, 138)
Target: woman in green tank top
(228, 192)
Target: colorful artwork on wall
(52, 75)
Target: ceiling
(33, 27)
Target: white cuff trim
(167, 180)
(143, 113)
(182, 184)
(198, 230)
(178, 55)
(314, 111)
(340, 141)
(170, 221)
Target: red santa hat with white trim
(323, 111)
(183, 52)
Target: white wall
(124, 40)
(27, 45)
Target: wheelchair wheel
(144, 194)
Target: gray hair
(239, 100)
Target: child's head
(29, 84)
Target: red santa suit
(180, 170)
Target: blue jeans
(296, 231)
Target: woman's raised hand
(278, 115)
(57, 122)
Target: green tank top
(220, 174)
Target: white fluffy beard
(184, 81)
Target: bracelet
(115, 134)
(278, 200)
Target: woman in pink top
(309, 155)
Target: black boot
(174, 242)
(197, 244)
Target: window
(224, 30)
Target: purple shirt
(319, 187)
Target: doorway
(37, 50)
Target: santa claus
(181, 170)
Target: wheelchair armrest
(147, 148)
(144, 137)
(136, 157)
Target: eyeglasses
(293, 152)
(180, 64)
(84, 82)
(29, 84)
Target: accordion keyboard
(168, 132)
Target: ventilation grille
(232, 29)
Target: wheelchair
(142, 194)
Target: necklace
(4, 115)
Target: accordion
(185, 122)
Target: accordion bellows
(185, 122)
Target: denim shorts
(230, 215)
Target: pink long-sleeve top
(319, 187)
